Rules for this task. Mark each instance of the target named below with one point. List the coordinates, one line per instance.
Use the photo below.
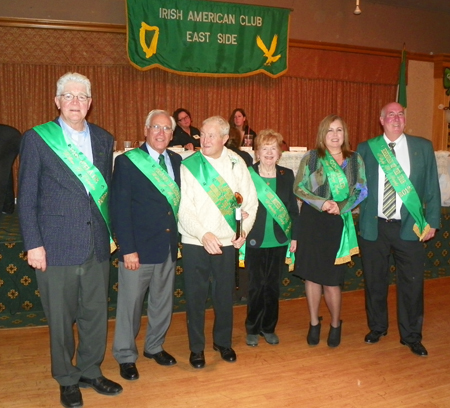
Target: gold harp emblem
(149, 50)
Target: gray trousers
(78, 294)
(159, 280)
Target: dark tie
(389, 193)
(162, 162)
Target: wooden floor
(291, 374)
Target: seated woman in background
(233, 143)
(238, 120)
(270, 237)
(331, 182)
(184, 134)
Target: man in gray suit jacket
(65, 169)
(145, 196)
(401, 212)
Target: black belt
(390, 220)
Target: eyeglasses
(70, 97)
(183, 118)
(157, 128)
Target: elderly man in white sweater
(207, 225)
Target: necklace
(336, 154)
(265, 173)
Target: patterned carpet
(20, 304)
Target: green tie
(162, 162)
(389, 193)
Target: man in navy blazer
(382, 234)
(67, 237)
(145, 225)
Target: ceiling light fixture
(357, 9)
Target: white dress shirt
(402, 155)
(155, 155)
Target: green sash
(159, 178)
(214, 185)
(401, 183)
(340, 191)
(77, 162)
(275, 208)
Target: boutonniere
(234, 161)
(282, 172)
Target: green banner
(207, 38)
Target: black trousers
(9, 148)
(201, 268)
(409, 259)
(264, 266)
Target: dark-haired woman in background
(234, 143)
(238, 120)
(331, 182)
(184, 134)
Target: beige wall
(422, 24)
(420, 94)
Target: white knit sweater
(199, 215)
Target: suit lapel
(175, 166)
(99, 148)
(413, 158)
(69, 173)
(175, 163)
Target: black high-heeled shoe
(313, 337)
(334, 336)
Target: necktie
(162, 162)
(389, 193)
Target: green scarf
(401, 183)
(340, 191)
(82, 168)
(214, 185)
(159, 178)
(217, 189)
(275, 208)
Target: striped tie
(162, 162)
(389, 193)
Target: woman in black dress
(330, 182)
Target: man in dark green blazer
(399, 225)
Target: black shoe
(70, 396)
(313, 337)
(129, 371)
(374, 336)
(417, 348)
(197, 360)
(162, 358)
(334, 336)
(227, 353)
(102, 385)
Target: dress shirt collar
(155, 156)
(397, 141)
